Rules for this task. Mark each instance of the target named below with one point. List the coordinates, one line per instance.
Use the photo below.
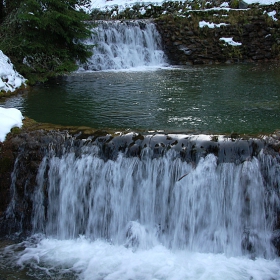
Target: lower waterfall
(217, 209)
(124, 45)
(144, 210)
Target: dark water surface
(202, 99)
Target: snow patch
(123, 4)
(9, 118)
(210, 25)
(261, 2)
(272, 15)
(10, 79)
(230, 41)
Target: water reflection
(15, 102)
(217, 99)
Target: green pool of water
(201, 99)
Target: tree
(7, 6)
(1, 11)
(43, 37)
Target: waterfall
(104, 201)
(221, 202)
(225, 208)
(124, 45)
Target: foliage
(42, 37)
(234, 4)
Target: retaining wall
(256, 33)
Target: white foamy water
(94, 260)
(124, 45)
(151, 217)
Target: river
(182, 206)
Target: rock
(243, 5)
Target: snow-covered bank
(9, 118)
(122, 4)
(10, 79)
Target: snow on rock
(10, 79)
(230, 41)
(9, 118)
(272, 15)
(224, 5)
(103, 4)
(122, 4)
(210, 25)
(261, 2)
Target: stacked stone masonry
(186, 43)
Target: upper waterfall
(124, 45)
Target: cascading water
(215, 208)
(124, 45)
(149, 209)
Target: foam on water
(102, 260)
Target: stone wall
(187, 43)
